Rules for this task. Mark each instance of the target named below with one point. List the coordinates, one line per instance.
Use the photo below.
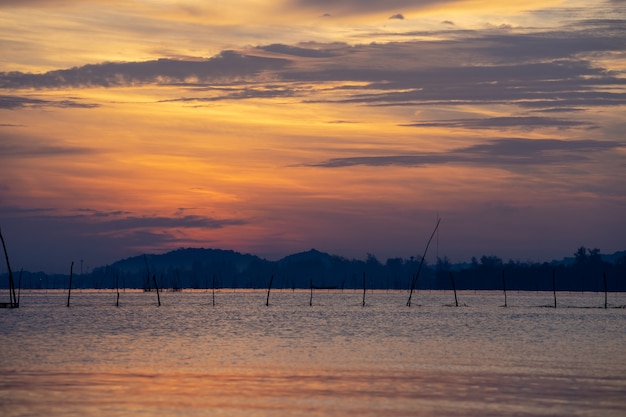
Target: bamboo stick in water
(69, 289)
(414, 281)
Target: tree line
(207, 268)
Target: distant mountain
(185, 259)
(310, 256)
(203, 268)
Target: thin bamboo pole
(69, 289)
(554, 286)
(605, 290)
(414, 281)
(117, 288)
(456, 301)
(364, 289)
(311, 297)
(12, 296)
(213, 291)
(157, 289)
(19, 287)
(269, 287)
(504, 287)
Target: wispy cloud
(524, 122)
(18, 102)
(504, 153)
(25, 146)
(534, 70)
(225, 67)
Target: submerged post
(363, 289)
(311, 297)
(157, 289)
(14, 303)
(69, 289)
(554, 287)
(117, 288)
(213, 290)
(414, 280)
(605, 290)
(269, 287)
(504, 287)
(19, 287)
(456, 302)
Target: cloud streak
(17, 102)
(502, 153)
(524, 122)
(225, 67)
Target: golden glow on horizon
(245, 157)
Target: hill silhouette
(200, 268)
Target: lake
(337, 357)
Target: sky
(273, 127)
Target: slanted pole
(605, 290)
(554, 286)
(504, 287)
(14, 302)
(19, 287)
(157, 289)
(117, 288)
(269, 287)
(364, 288)
(416, 276)
(69, 289)
(213, 290)
(456, 302)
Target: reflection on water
(335, 358)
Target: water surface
(334, 358)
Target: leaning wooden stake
(605, 291)
(456, 302)
(19, 287)
(157, 289)
(504, 287)
(269, 287)
(12, 296)
(117, 288)
(311, 297)
(554, 287)
(416, 276)
(69, 289)
(364, 289)
(213, 290)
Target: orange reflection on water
(288, 392)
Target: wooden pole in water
(454, 289)
(69, 289)
(364, 289)
(554, 287)
(605, 290)
(157, 289)
(269, 287)
(504, 287)
(117, 288)
(414, 281)
(12, 296)
(311, 297)
(19, 287)
(213, 290)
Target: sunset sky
(271, 127)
